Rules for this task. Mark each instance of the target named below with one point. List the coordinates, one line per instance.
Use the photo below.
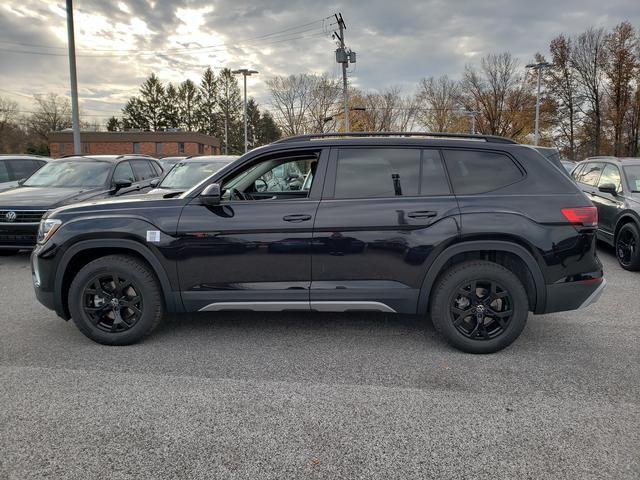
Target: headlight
(47, 228)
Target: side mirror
(608, 188)
(211, 194)
(120, 184)
(155, 182)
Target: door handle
(296, 218)
(422, 214)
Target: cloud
(397, 42)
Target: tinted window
(377, 172)
(590, 174)
(610, 174)
(576, 172)
(479, 172)
(22, 168)
(157, 168)
(4, 173)
(633, 177)
(123, 173)
(62, 173)
(434, 180)
(187, 174)
(143, 170)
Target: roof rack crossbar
(461, 136)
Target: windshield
(70, 174)
(633, 177)
(186, 175)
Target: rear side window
(123, 173)
(4, 173)
(590, 174)
(377, 172)
(475, 172)
(143, 170)
(156, 168)
(22, 168)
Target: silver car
(14, 168)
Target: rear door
(608, 205)
(383, 212)
(144, 173)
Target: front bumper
(562, 297)
(18, 236)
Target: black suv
(64, 181)
(475, 230)
(613, 184)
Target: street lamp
(245, 73)
(539, 67)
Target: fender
(172, 299)
(624, 216)
(474, 246)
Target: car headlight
(47, 228)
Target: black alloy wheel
(113, 302)
(628, 247)
(481, 309)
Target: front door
(608, 204)
(252, 251)
(383, 211)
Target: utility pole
(344, 56)
(75, 115)
(226, 131)
(245, 73)
(540, 66)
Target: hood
(166, 191)
(44, 197)
(111, 203)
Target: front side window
(61, 173)
(590, 174)
(610, 175)
(123, 173)
(4, 173)
(187, 174)
(577, 171)
(377, 172)
(474, 171)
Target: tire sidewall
(147, 289)
(463, 274)
(635, 260)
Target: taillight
(582, 216)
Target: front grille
(17, 239)
(22, 216)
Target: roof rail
(454, 136)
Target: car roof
(20, 156)
(606, 158)
(211, 158)
(106, 158)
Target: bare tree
(324, 102)
(588, 60)
(438, 104)
(620, 70)
(52, 113)
(292, 98)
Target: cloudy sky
(398, 42)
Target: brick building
(156, 144)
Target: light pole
(245, 73)
(539, 67)
(74, 79)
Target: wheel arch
(623, 219)
(513, 255)
(85, 251)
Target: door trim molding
(320, 306)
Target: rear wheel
(628, 247)
(116, 300)
(479, 307)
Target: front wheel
(116, 300)
(479, 307)
(628, 247)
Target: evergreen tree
(134, 115)
(114, 125)
(152, 95)
(268, 130)
(230, 107)
(188, 105)
(170, 107)
(208, 111)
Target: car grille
(22, 216)
(17, 239)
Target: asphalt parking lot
(276, 396)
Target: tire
(485, 320)
(138, 297)
(628, 247)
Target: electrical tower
(344, 56)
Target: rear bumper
(562, 297)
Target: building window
(181, 147)
(85, 148)
(61, 149)
(136, 147)
(158, 148)
(200, 149)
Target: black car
(65, 181)
(14, 168)
(189, 172)
(475, 231)
(613, 185)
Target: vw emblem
(10, 216)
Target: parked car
(553, 155)
(189, 172)
(168, 163)
(569, 165)
(476, 231)
(613, 185)
(14, 168)
(65, 181)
